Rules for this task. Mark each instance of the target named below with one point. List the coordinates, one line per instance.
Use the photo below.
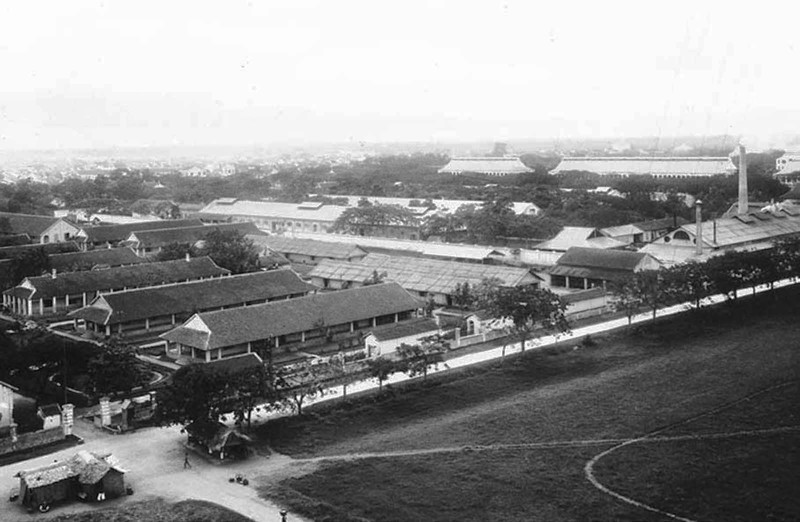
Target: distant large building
(788, 167)
(502, 166)
(40, 229)
(658, 167)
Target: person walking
(186, 463)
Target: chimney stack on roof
(743, 204)
(698, 219)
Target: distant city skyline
(93, 74)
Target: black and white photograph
(399, 261)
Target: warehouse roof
(272, 210)
(212, 330)
(599, 258)
(587, 237)
(485, 165)
(134, 276)
(420, 274)
(138, 304)
(648, 165)
(309, 247)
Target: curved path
(651, 437)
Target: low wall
(31, 440)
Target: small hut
(86, 476)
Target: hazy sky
(98, 73)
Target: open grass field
(158, 511)
(512, 443)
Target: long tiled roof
(309, 247)
(600, 258)
(30, 224)
(655, 166)
(48, 248)
(134, 276)
(115, 233)
(182, 298)
(75, 261)
(273, 210)
(485, 165)
(419, 274)
(753, 227)
(442, 205)
(189, 235)
(212, 330)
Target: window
(681, 235)
(45, 239)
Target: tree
(380, 368)
(463, 295)
(174, 251)
(375, 278)
(193, 395)
(303, 383)
(415, 359)
(625, 298)
(368, 219)
(245, 391)
(115, 369)
(528, 308)
(232, 250)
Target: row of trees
(227, 248)
(693, 282)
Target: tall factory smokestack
(743, 205)
(698, 220)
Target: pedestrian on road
(186, 463)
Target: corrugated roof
(655, 166)
(420, 274)
(88, 467)
(76, 261)
(255, 323)
(485, 165)
(134, 276)
(188, 235)
(116, 233)
(309, 247)
(273, 210)
(136, 305)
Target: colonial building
(150, 242)
(584, 268)
(293, 328)
(145, 312)
(428, 278)
(656, 166)
(110, 235)
(274, 216)
(41, 229)
(788, 167)
(59, 293)
(644, 231)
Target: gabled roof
(30, 224)
(212, 330)
(182, 298)
(87, 467)
(76, 261)
(308, 247)
(116, 233)
(420, 274)
(236, 364)
(587, 237)
(599, 258)
(134, 276)
(186, 235)
(485, 165)
(650, 165)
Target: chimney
(53, 273)
(698, 219)
(743, 205)
(188, 257)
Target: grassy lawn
(630, 383)
(158, 511)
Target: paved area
(154, 460)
